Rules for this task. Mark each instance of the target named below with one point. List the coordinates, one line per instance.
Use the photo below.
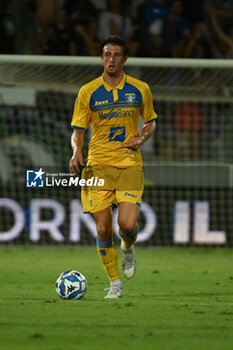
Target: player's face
(113, 59)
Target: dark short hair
(115, 41)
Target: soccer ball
(71, 285)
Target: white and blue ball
(71, 285)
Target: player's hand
(76, 163)
(133, 144)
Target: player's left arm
(148, 114)
(135, 142)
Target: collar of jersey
(119, 86)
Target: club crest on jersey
(130, 98)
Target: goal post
(188, 163)
(160, 73)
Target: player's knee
(104, 232)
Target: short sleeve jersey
(114, 115)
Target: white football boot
(128, 261)
(115, 291)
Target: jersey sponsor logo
(117, 133)
(119, 113)
(130, 98)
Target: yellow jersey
(114, 115)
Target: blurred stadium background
(188, 163)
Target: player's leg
(107, 251)
(128, 230)
(99, 203)
(127, 221)
(105, 245)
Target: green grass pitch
(180, 298)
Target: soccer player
(113, 105)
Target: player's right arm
(79, 123)
(77, 139)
